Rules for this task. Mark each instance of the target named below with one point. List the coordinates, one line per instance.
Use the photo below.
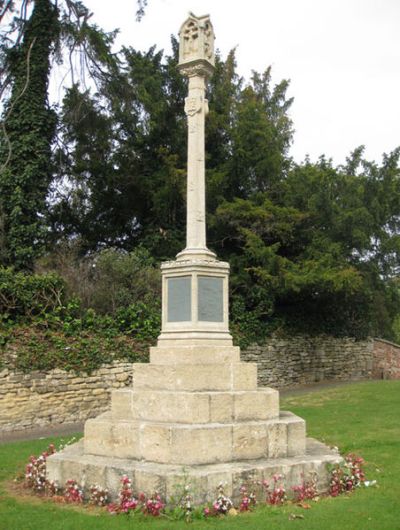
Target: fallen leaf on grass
(304, 505)
(58, 498)
(293, 516)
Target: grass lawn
(362, 418)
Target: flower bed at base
(344, 479)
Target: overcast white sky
(342, 58)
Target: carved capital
(196, 68)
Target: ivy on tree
(29, 126)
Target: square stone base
(148, 477)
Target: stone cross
(195, 286)
(196, 61)
(195, 409)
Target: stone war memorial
(195, 409)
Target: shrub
(62, 340)
(247, 327)
(26, 295)
(124, 278)
(108, 280)
(140, 320)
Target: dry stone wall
(42, 398)
(303, 360)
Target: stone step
(195, 377)
(194, 354)
(195, 407)
(194, 444)
(148, 477)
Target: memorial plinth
(195, 303)
(195, 409)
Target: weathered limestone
(208, 420)
(150, 476)
(197, 377)
(195, 303)
(191, 354)
(196, 61)
(195, 409)
(195, 443)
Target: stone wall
(386, 360)
(303, 360)
(42, 398)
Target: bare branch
(5, 9)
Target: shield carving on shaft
(192, 106)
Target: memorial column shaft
(196, 110)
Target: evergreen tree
(123, 154)
(324, 257)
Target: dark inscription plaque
(179, 299)
(210, 299)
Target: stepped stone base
(204, 479)
(193, 411)
(196, 443)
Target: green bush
(140, 320)
(108, 280)
(27, 295)
(121, 279)
(246, 326)
(91, 311)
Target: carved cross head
(196, 40)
